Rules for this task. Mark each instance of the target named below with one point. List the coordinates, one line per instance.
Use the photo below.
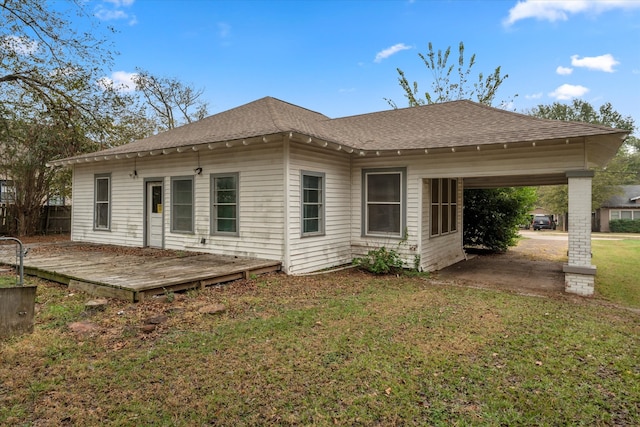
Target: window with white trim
(224, 209)
(384, 201)
(444, 206)
(312, 215)
(102, 202)
(624, 214)
(182, 204)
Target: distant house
(621, 206)
(273, 180)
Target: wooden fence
(53, 220)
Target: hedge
(624, 225)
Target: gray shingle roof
(450, 124)
(628, 198)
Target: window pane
(226, 196)
(615, 214)
(445, 219)
(435, 220)
(383, 187)
(156, 199)
(102, 189)
(454, 190)
(311, 211)
(454, 218)
(311, 196)
(310, 181)
(310, 226)
(435, 191)
(384, 218)
(226, 183)
(102, 215)
(226, 225)
(626, 214)
(445, 191)
(227, 211)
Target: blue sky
(340, 57)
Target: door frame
(145, 199)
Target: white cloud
(567, 91)
(534, 96)
(121, 81)
(559, 10)
(384, 54)
(112, 10)
(600, 63)
(564, 71)
(20, 45)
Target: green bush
(380, 261)
(624, 225)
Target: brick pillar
(579, 274)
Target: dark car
(543, 222)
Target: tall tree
(50, 103)
(623, 169)
(169, 100)
(447, 85)
(452, 82)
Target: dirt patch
(534, 266)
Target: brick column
(579, 273)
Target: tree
(170, 101)
(491, 217)
(50, 103)
(623, 169)
(444, 86)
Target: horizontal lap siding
(260, 199)
(333, 248)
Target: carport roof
(448, 125)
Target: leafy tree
(496, 214)
(50, 103)
(447, 85)
(170, 101)
(491, 217)
(623, 169)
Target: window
(224, 210)
(7, 192)
(102, 210)
(182, 204)
(384, 201)
(444, 206)
(312, 203)
(624, 214)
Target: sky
(340, 58)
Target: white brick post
(579, 273)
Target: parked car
(543, 222)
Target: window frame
(634, 213)
(108, 202)
(402, 172)
(175, 179)
(439, 206)
(214, 204)
(321, 204)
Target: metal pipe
(22, 253)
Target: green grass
(618, 276)
(344, 348)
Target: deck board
(136, 274)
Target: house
(625, 205)
(273, 180)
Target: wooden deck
(132, 273)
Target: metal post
(21, 251)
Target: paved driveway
(534, 266)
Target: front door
(154, 215)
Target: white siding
(261, 200)
(334, 247)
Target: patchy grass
(618, 277)
(339, 349)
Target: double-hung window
(444, 206)
(102, 202)
(312, 203)
(224, 209)
(384, 201)
(182, 204)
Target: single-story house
(621, 206)
(273, 180)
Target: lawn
(344, 348)
(618, 277)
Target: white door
(154, 215)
